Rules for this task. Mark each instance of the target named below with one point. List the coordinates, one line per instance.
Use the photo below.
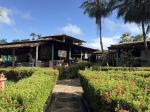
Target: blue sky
(46, 17)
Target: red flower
(123, 110)
(147, 89)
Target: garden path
(67, 97)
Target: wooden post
(37, 56)
(13, 58)
(117, 58)
(52, 55)
(81, 55)
(69, 53)
(31, 57)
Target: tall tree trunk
(100, 34)
(99, 23)
(144, 37)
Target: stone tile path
(67, 96)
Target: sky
(20, 18)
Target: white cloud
(107, 41)
(115, 26)
(71, 29)
(27, 16)
(5, 16)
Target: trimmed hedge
(100, 68)
(16, 74)
(29, 94)
(111, 91)
(69, 72)
(72, 71)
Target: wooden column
(37, 56)
(13, 58)
(69, 53)
(81, 55)
(31, 57)
(52, 55)
(117, 58)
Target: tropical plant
(35, 36)
(136, 11)
(97, 9)
(125, 38)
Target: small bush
(69, 72)
(17, 73)
(83, 65)
(72, 71)
(29, 94)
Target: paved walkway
(67, 96)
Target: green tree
(136, 11)
(97, 9)
(125, 38)
(137, 37)
(35, 36)
(16, 40)
(3, 41)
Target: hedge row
(29, 94)
(111, 91)
(100, 68)
(72, 71)
(16, 74)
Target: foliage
(125, 38)
(16, 74)
(97, 9)
(3, 41)
(83, 65)
(35, 36)
(138, 38)
(111, 91)
(30, 94)
(99, 68)
(16, 40)
(72, 70)
(136, 11)
(69, 72)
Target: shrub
(100, 68)
(30, 94)
(83, 65)
(111, 91)
(69, 72)
(72, 71)
(16, 74)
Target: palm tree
(97, 9)
(33, 35)
(136, 11)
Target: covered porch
(42, 54)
